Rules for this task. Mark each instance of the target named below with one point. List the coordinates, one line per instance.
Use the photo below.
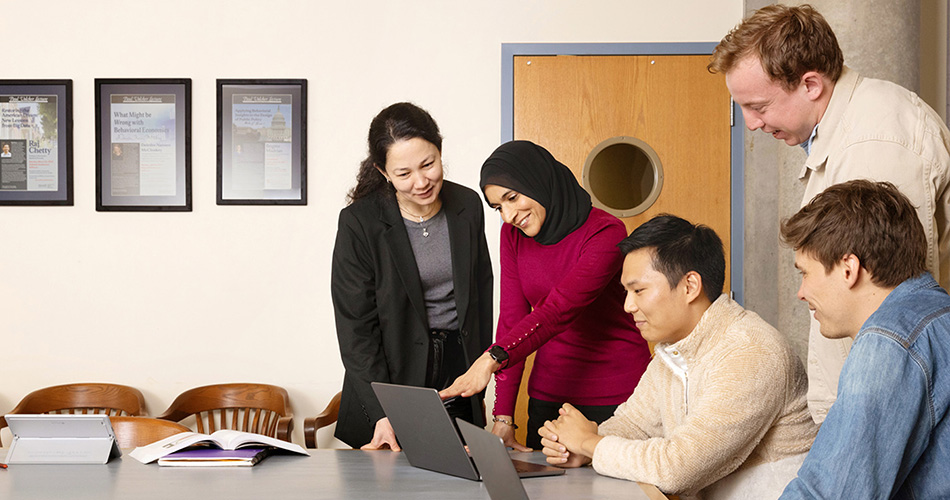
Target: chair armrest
(285, 426)
(326, 417)
(310, 432)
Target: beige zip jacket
(877, 130)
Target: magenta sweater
(565, 302)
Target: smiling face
(825, 292)
(789, 115)
(516, 209)
(414, 166)
(661, 312)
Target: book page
(152, 452)
(231, 440)
(226, 439)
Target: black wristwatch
(499, 354)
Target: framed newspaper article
(262, 142)
(36, 142)
(143, 144)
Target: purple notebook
(210, 457)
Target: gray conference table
(330, 474)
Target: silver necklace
(422, 220)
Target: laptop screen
(424, 429)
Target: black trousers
(540, 411)
(446, 363)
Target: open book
(225, 439)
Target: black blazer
(380, 312)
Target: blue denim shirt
(888, 434)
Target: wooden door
(570, 104)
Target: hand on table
(507, 434)
(383, 437)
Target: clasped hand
(570, 440)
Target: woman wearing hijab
(560, 297)
(411, 278)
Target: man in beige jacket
(786, 71)
(720, 411)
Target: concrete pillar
(880, 39)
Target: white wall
(169, 301)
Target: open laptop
(61, 439)
(428, 436)
(489, 453)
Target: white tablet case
(61, 439)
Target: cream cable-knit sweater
(746, 406)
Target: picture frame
(262, 142)
(36, 142)
(143, 144)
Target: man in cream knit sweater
(721, 410)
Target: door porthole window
(623, 175)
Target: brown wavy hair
(871, 220)
(789, 42)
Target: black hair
(679, 247)
(400, 121)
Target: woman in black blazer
(411, 279)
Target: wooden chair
(132, 432)
(654, 493)
(108, 399)
(325, 418)
(258, 408)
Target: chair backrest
(326, 417)
(108, 399)
(259, 408)
(132, 432)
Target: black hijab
(532, 171)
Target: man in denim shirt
(862, 254)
